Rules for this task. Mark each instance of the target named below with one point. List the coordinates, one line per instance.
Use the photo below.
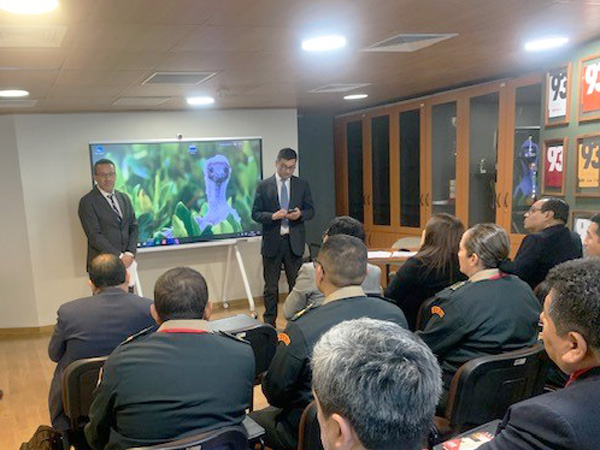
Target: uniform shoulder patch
(284, 338)
(235, 337)
(436, 310)
(304, 311)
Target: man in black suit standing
(282, 204)
(566, 419)
(550, 242)
(108, 218)
(94, 326)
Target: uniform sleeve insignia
(283, 337)
(437, 310)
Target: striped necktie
(111, 197)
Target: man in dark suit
(108, 218)
(341, 267)
(566, 419)
(282, 204)
(550, 242)
(94, 326)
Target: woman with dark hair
(434, 267)
(491, 313)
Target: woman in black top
(434, 267)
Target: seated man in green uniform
(179, 381)
(341, 267)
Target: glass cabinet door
(410, 168)
(354, 146)
(526, 153)
(443, 158)
(483, 157)
(380, 157)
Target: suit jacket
(566, 419)
(266, 202)
(104, 231)
(305, 290)
(541, 251)
(90, 327)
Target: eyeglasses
(532, 210)
(106, 175)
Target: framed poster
(558, 96)
(587, 180)
(589, 91)
(580, 221)
(554, 165)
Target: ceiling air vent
(17, 103)
(31, 36)
(140, 101)
(188, 78)
(338, 87)
(409, 42)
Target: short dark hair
(287, 154)
(102, 162)
(575, 294)
(107, 270)
(180, 293)
(559, 207)
(596, 219)
(380, 377)
(344, 260)
(346, 225)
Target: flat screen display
(187, 191)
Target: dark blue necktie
(284, 202)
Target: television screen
(187, 191)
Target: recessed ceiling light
(11, 93)
(546, 43)
(355, 96)
(324, 43)
(28, 6)
(200, 101)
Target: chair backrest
(423, 315)
(262, 337)
(309, 433)
(78, 383)
(484, 388)
(407, 243)
(227, 438)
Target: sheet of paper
(379, 254)
(403, 254)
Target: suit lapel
(294, 200)
(273, 192)
(104, 204)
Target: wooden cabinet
(462, 152)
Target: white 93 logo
(555, 158)
(591, 78)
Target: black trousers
(271, 271)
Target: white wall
(54, 169)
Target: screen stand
(233, 247)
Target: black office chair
(424, 314)
(484, 388)
(262, 338)
(309, 433)
(228, 438)
(78, 383)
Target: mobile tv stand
(232, 246)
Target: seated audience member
(434, 267)
(490, 313)
(566, 419)
(94, 326)
(305, 291)
(591, 242)
(181, 380)
(549, 243)
(376, 387)
(554, 377)
(341, 266)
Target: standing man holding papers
(282, 204)
(108, 219)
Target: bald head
(107, 270)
